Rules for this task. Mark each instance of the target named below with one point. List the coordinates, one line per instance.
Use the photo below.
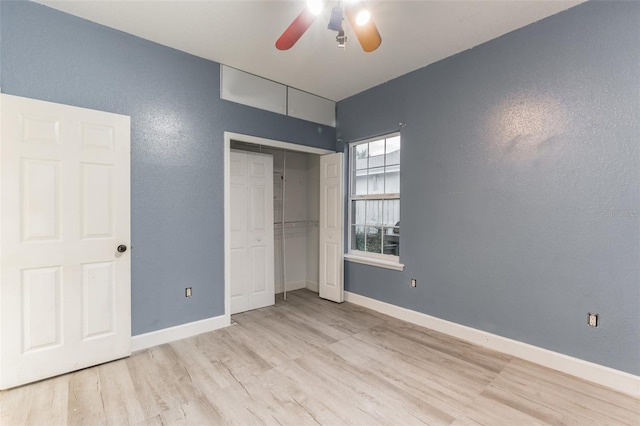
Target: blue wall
(177, 125)
(520, 171)
(520, 184)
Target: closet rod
(296, 222)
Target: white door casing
(331, 281)
(251, 231)
(65, 297)
(228, 137)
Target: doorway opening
(296, 182)
(296, 212)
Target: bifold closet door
(331, 235)
(252, 240)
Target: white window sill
(374, 262)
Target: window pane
(357, 238)
(391, 210)
(375, 171)
(359, 182)
(374, 212)
(361, 154)
(391, 241)
(374, 240)
(358, 212)
(376, 181)
(392, 180)
(392, 150)
(376, 154)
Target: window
(374, 199)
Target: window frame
(389, 261)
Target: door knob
(259, 238)
(330, 235)
(122, 248)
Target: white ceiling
(242, 34)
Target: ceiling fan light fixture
(367, 33)
(315, 6)
(341, 39)
(363, 17)
(363, 27)
(335, 21)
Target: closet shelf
(296, 224)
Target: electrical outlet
(187, 292)
(414, 282)
(592, 319)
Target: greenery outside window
(374, 198)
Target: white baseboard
(166, 335)
(313, 286)
(605, 376)
(297, 285)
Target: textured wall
(177, 125)
(520, 184)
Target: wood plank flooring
(306, 361)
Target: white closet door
(238, 219)
(260, 241)
(331, 285)
(65, 296)
(252, 239)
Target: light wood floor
(306, 361)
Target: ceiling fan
(357, 15)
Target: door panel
(257, 208)
(97, 136)
(98, 289)
(41, 308)
(331, 210)
(40, 200)
(239, 300)
(96, 201)
(41, 130)
(252, 244)
(331, 285)
(258, 270)
(331, 254)
(238, 275)
(65, 292)
(257, 168)
(260, 237)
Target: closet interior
(296, 183)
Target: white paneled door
(331, 285)
(65, 297)
(252, 241)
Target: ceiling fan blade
(294, 31)
(367, 34)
